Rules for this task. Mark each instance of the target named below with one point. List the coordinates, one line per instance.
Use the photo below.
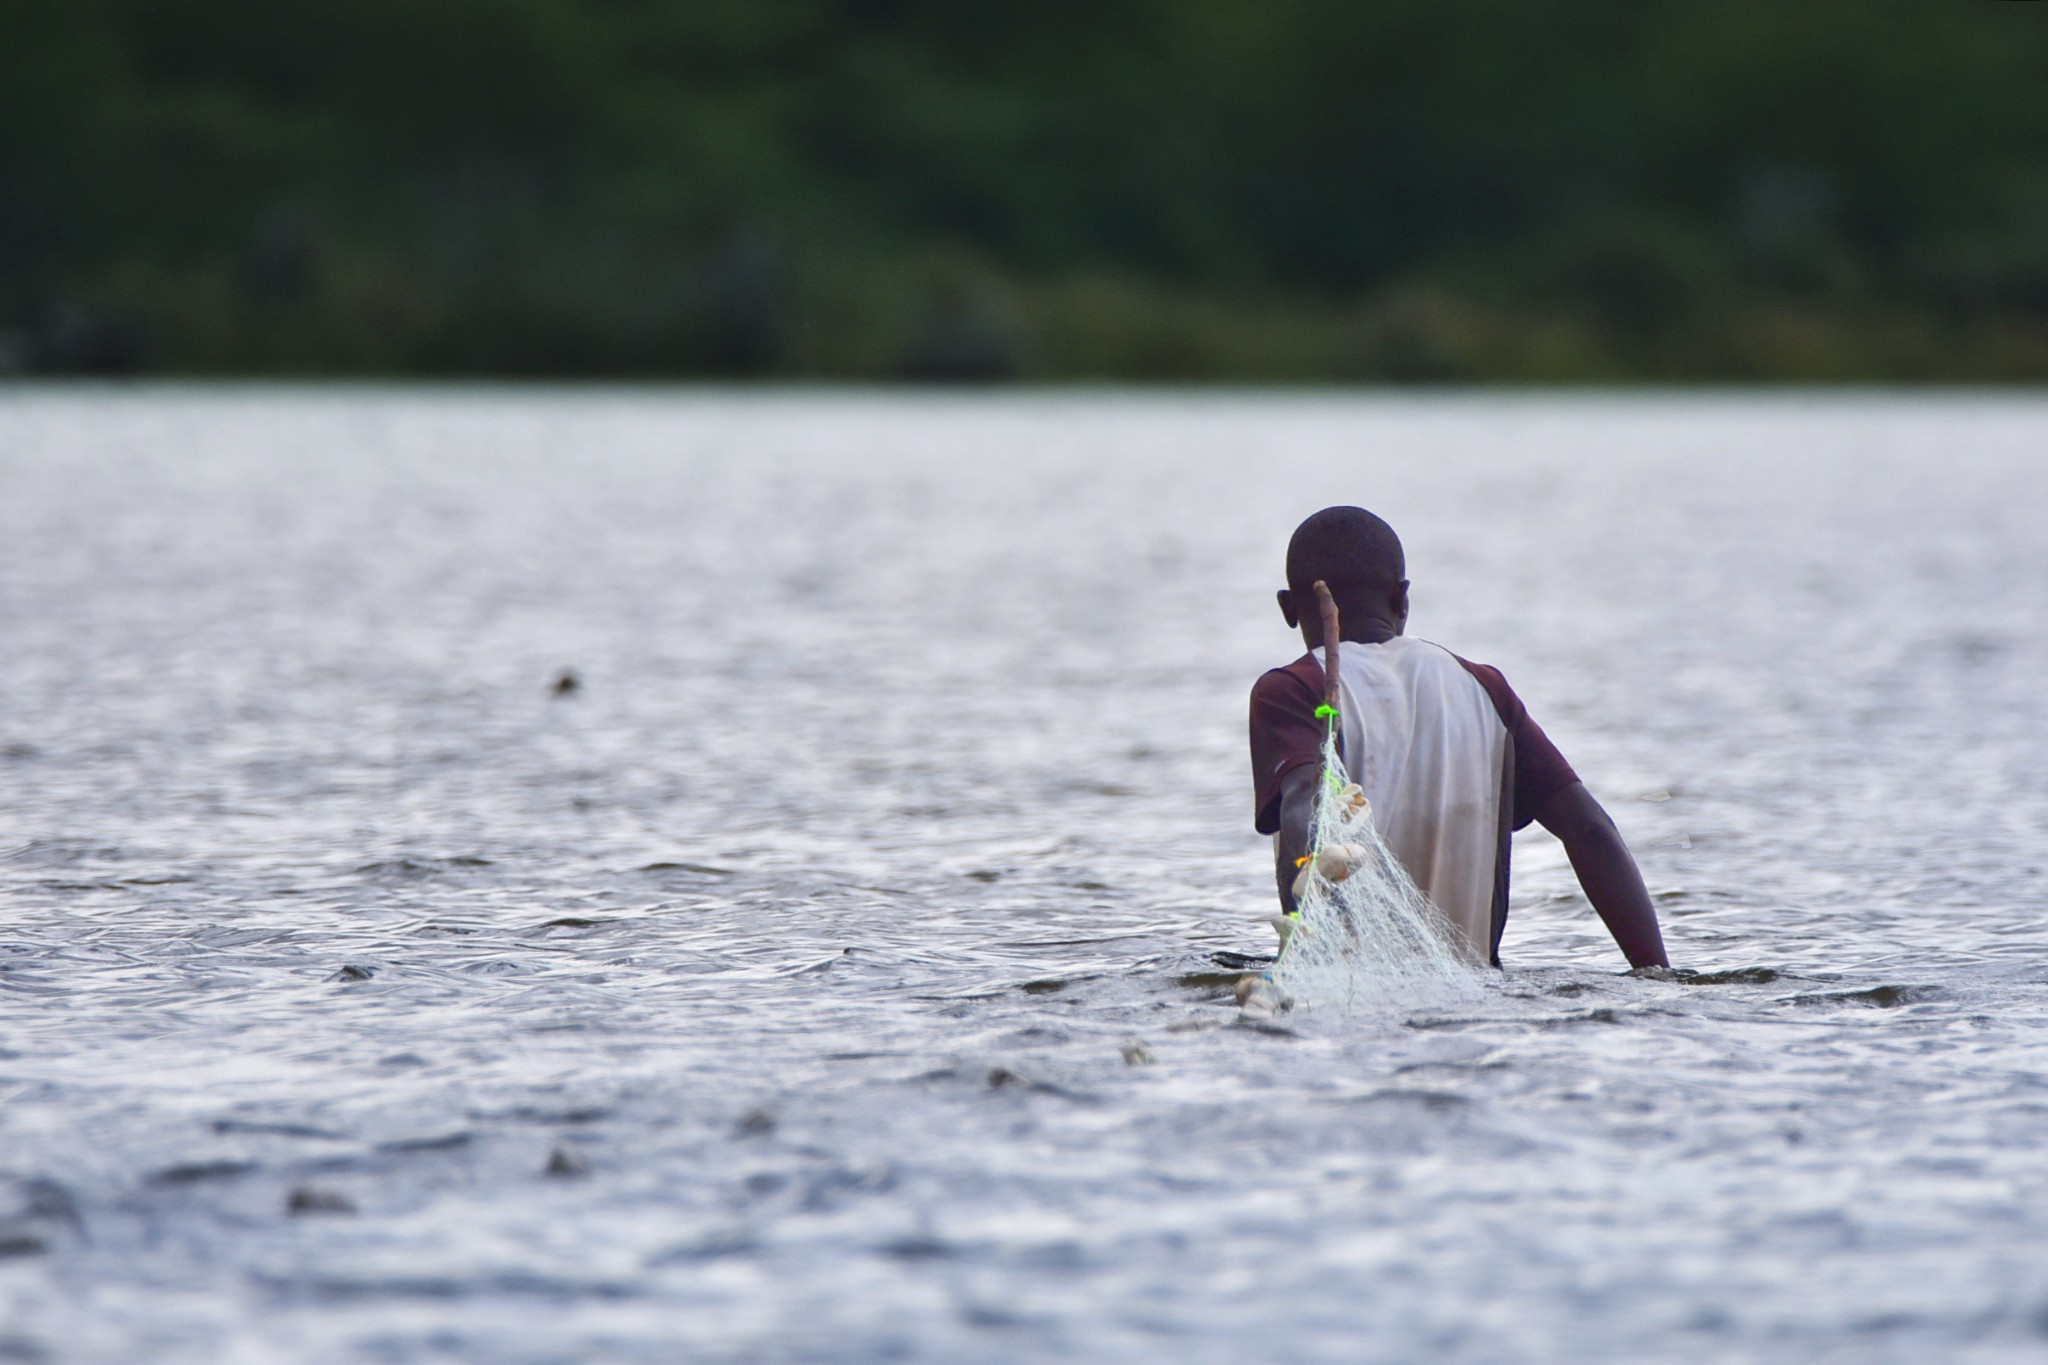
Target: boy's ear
(1287, 609)
(1398, 599)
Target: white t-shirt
(1422, 737)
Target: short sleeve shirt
(1286, 735)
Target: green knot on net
(1328, 714)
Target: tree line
(1238, 190)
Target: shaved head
(1347, 547)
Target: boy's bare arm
(1607, 871)
(1297, 820)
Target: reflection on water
(841, 967)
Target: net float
(1338, 861)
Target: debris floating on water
(308, 1199)
(566, 1163)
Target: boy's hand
(1286, 926)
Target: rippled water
(833, 974)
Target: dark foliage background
(1212, 189)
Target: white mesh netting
(1365, 937)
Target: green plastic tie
(1326, 712)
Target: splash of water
(1365, 936)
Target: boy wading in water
(1444, 749)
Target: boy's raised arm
(1607, 871)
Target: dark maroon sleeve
(1285, 732)
(1540, 770)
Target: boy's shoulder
(1298, 686)
(1302, 678)
(1509, 706)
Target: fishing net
(1363, 935)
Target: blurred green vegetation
(1326, 190)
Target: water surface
(786, 989)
